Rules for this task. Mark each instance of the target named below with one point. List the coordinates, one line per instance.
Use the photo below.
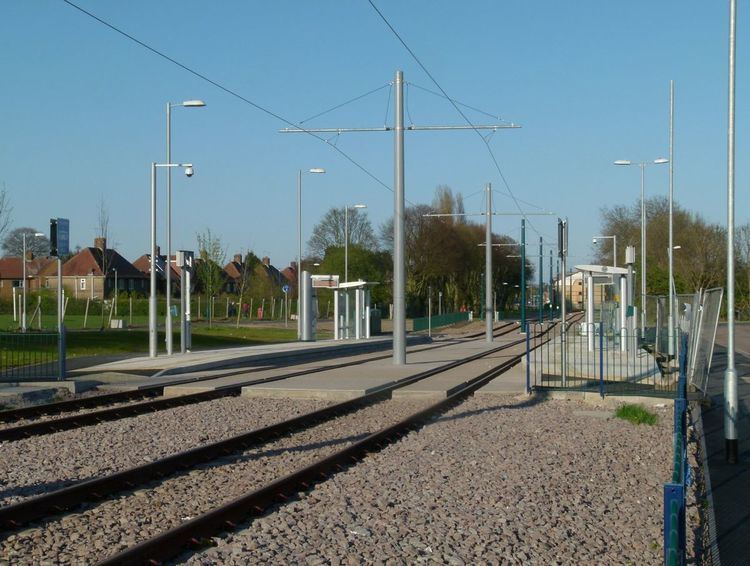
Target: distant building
(143, 264)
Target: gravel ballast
(43, 463)
(97, 531)
(496, 480)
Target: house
(92, 273)
(143, 264)
(233, 271)
(11, 272)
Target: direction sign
(325, 281)
(285, 288)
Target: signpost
(285, 289)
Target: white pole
(168, 267)
(730, 374)
(152, 296)
(299, 252)
(670, 321)
(15, 312)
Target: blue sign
(285, 288)
(59, 237)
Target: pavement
(728, 490)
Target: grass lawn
(19, 349)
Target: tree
(330, 231)
(102, 233)
(6, 209)
(250, 262)
(13, 243)
(209, 268)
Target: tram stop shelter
(351, 310)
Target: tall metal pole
(614, 250)
(523, 275)
(299, 252)
(152, 295)
(549, 287)
(541, 279)
(183, 341)
(563, 251)
(489, 311)
(643, 252)
(670, 321)
(23, 262)
(346, 244)
(399, 267)
(168, 266)
(730, 374)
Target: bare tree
(13, 243)
(102, 235)
(330, 231)
(6, 209)
(249, 262)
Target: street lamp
(23, 261)
(642, 165)
(614, 249)
(314, 170)
(170, 105)
(188, 167)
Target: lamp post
(614, 248)
(23, 262)
(642, 165)
(185, 104)
(152, 296)
(317, 170)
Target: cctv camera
(189, 171)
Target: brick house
(91, 273)
(11, 273)
(143, 264)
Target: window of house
(130, 284)
(17, 283)
(82, 284)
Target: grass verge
(636, 414)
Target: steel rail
(38, 507)
(51, 426)
(70, 405)
(195, 532)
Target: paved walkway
(730, 483)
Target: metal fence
(595, 357)
(675, 492)
(439, 320)
(31, 356)
(704, 320)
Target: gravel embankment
(102, 530)
(496, 480)
(43, 463)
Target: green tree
(209, 267)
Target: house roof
(143, 264)
(92, 261)
(12, 267)
(233, 270)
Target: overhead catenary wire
(489, 114)
(229, 91)
(453, 103)
(341, 105)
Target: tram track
(42, 507)
(194, 533)
(157, 402)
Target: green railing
(440, 320)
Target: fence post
(61, 350)
(601, 359)
(528, 362)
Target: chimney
(29, 255)
(238, 259)
(100, 243)
(266, 261)
(293, 265)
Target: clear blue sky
(82, 110)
